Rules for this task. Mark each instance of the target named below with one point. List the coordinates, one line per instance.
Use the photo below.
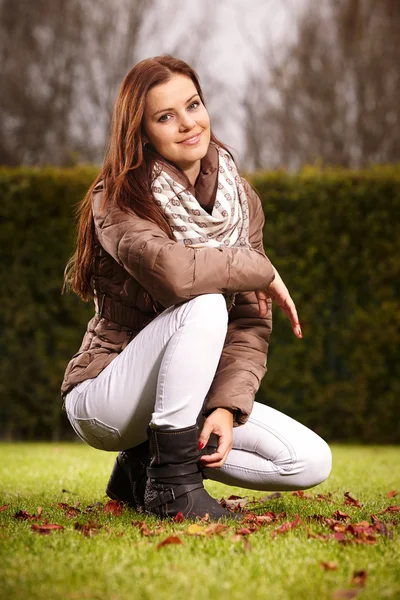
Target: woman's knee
(210, 310)
(317, 464)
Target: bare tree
(60, 67)
(333, 94)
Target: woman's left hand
(220, 422)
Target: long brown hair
(128, 166)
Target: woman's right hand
(278, 292)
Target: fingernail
(200, 446)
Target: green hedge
(333, 236)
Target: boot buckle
(163, 497)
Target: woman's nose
(186, 123)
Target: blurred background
(306, 93)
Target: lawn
(100, 555)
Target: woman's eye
(194, 104)
(164, 118)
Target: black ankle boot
(128, 478)
(175, 480)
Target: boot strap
(169, 495)
(172, 471)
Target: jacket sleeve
(244, 356)
(170, 272)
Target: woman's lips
(192, 141)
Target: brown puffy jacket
(138, 271)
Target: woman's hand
(280, 294)
(220, 422)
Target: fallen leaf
(246, 530)
(4, 507)
(328, 566)
(324, 498)
(273, 496)
(171, 539)
(351, 501)
(391, 494)
(46, 528)
(346, 594)
(287, 526)
(70, 511)
(216, 529)
(392, 509)
(359, 578)
(179, 518)
(22, 515)
(195, 529)
(234, 503)
(340, 515)
(114, 507)
(301, 494)
(88, 529)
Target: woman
(170, 248)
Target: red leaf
(171, 539)
(392, 509)
(391, 494)
(340, 515)
(179, 518)
(328, 566)
(114, 507)
(46, 528)
(351, 501)
(359, 578)
(4, 507)
(287, 526)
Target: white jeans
(163, 376)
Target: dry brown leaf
(22, 515)
(171, 539)
(114, 507)
(4, 507)
(273, 496)
(216, 529)
(301, 494)
(88, 529)
(287, 526)
(340, 515)
(351, 501)
(328, 566)
(392, 509)
(70, 511)
(234, 503)
(391, 494)
(46, 528)
(359, 578)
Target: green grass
(66, 565)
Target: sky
(237, 32)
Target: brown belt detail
(118, 313)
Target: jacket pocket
(96, 433)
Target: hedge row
(332, 234)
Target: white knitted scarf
(192, 225)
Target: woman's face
(177, 123)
